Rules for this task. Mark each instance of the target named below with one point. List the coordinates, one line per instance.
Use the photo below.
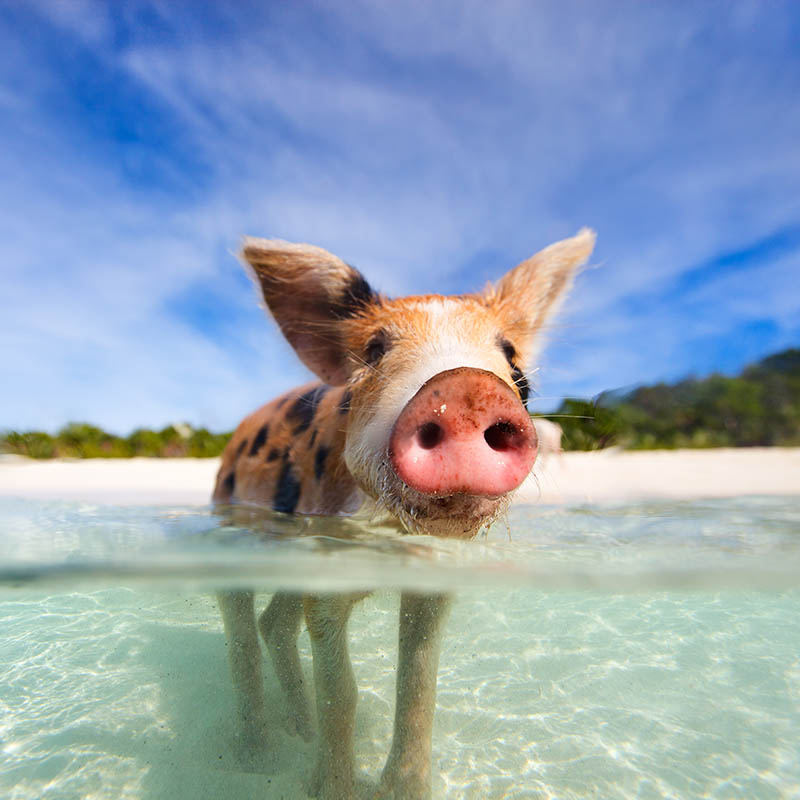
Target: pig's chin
(457, 515)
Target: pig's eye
(376, 348)
(509, 351)
(517, 375)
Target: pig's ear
(531, 292)
(310, 292)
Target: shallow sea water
(638, 651)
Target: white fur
(448, 349)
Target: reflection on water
(627, 652)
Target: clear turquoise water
(639, 651)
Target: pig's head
(438, 431)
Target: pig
(419, 415)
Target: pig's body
(422, 412)
(288, 455)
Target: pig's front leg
(407, 773)
(244, 654)
(326, 618)
(280, 626)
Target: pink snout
(463, 432)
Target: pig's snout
(463, 432)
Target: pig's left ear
(531, 292)
(309, 291)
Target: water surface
(637, 651)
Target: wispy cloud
(434, 144)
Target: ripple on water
(568, 688)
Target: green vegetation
(760, 407)
(80, 440)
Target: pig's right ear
(531, 293)
(309, 291)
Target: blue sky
(433, 144)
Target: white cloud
(404, 138)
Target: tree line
(81, 440)
(759, 407)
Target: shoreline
(601, 476)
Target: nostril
(501, 436)
(429, 435)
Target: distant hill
(759, 407)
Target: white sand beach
(616, 475)
(593, 477)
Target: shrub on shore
(81, 440)
(758, 408)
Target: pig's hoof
(397, 785)
(330, 783)
(302, 727)
(301, 721)
(253, 754)
(251, 743)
